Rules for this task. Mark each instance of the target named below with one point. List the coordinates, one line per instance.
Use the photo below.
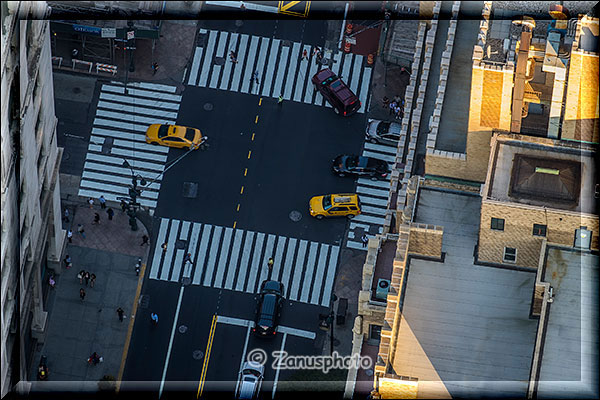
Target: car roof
(267, 308)
(325, 73)
(272, 285)
(344, 198)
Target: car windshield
(328, 80)
(327, 202)
(249, 371)
(383, 127)
(163, 131)
(336, 84)
(351, 162)
(190, 134)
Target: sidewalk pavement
(77, 328)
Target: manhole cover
(107, 145)
(286, 43)
(239, 22)
(180, 244)
(219, 60)
(182, 329)
(76, 90)
(190, 190)
(295, 216)
(208, 107)
(65, 156)
(198, 354)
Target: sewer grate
(190, 190)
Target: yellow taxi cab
(174, 136)
(333, 205)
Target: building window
(374, 334)
(497, 224)
(539, 230)
(510, 255)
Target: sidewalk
(77, 328)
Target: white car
(383, 132)
(250, 380)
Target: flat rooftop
(543, 175)
(570, 356)
(465, 327)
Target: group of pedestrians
(396, 107)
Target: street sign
(351, 40)
(130, 35)
(109, 32)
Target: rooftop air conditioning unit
(383, 287)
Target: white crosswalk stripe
(281, 69)
(373, 197)
(236, 259)
(118, 133)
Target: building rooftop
(543, 173)
(570, 354)
(465, 330)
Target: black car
(360, 166)
(268, 310)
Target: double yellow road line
(207, 355)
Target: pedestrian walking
(154, 67)
(255, 77)
(74, 53)
(398, 112)
(86, 277)
(385, 101)
(102, 201)
(316, 51)
(188, 258)
(304, 55)
(120, 313)
(52, 282)
(96, 219)
(95, 358)
(66, 216)
(67, 261)
(280, 100)
(110, 213)
(81, 230)
(91, 202)
(364, 239)
(123, 205)
(81, 294)
(92, 280)
(70, 236)
(138, 266)
(233, 56)
(392, 107)
(80, 275)
(164, 247)
(270, 263)
(145, 239)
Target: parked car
(343, 100)
(174, 136)
(334, 205)
(250, 380)
(268, 310)
(383, 132)
(360, 166)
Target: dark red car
(336, 92)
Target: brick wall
(518, 231)
(426, 240)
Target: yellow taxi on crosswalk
(175, 136)
(334, 205)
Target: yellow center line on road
(256, 120)
(234, 224)
(242, 190)
(245, 171)
(260, 102)
(238, 207)
(249, 153)
(253, 136)
(207, 356)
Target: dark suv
(336, 92)
(360, 166)
(268, 310)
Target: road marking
(248, 242)
(282, 64)
(308, 275)
(298, 270)
(289, 82)
(211, 335)
(195, 65)
(333, 258)
(233, 260)
(162, 381)
(256, 120)
(247, 78)
(212, 255)
(234, 321)
(260, 237)
(164, 274)
(316, 290)
(245, 173)
(206, 231)
(249, 154)
(287, 330)
(238, 207)
(208, 58)
(242, 190)
(277, 372)
(268, 80)
(234, 224)
(253, 137)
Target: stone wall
(426, 240)
(518, 230)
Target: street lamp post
(134, 192)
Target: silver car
(250, 380)
(383, 132)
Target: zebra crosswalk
(236, 259)
(118, 134)
(373, 197)
(277, 65)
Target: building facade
(32, 235)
